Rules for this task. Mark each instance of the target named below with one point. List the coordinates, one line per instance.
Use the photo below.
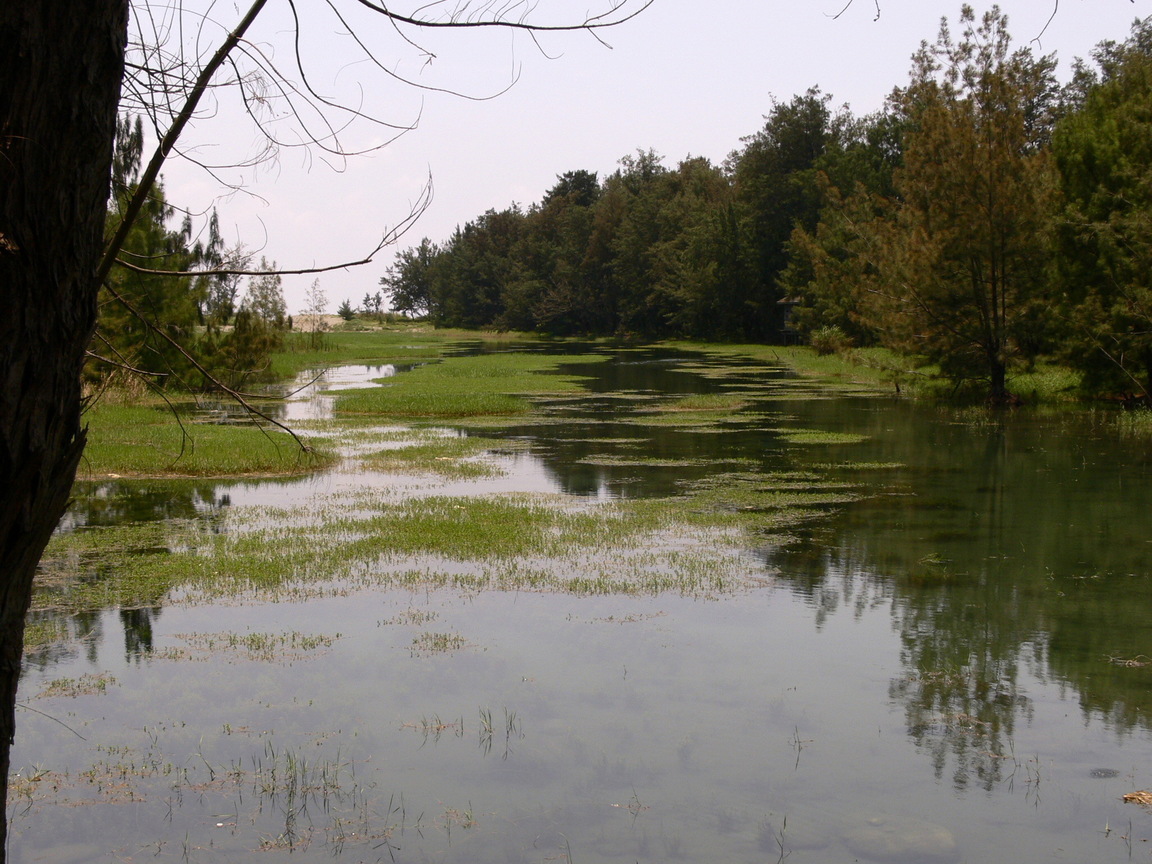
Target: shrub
(829, 340)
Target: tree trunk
(998, 382)
(61, 64)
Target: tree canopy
(986, 218)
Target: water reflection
(1008, 544)
(611, 443)
(305, 398)
(309, 399)
(997, 571)
(120, 502)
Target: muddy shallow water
(951, 669)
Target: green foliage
(830, 271)
(408, 282)
(145, 315)
(265, 295)
(777, 190)
(927, 228)
(963, 269)
(828, 340)
(157, 317)
(1103, 153)
(951, 265)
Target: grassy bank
(400, 344)
(483, 385)
(139, 435)
(154, 441)
(883, 371)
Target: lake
(945, 657)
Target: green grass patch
(708, 402)
(1046, 383)
(693, 420)
(819, 436)
(485, 385)
(88, 684)
(437, 643)
(1134, 424)
(455, 457)
(693, 544)
(140, 441)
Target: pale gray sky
(684, 78)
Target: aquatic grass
(618, 460)
(437, 643)
(411, 616)
(1046, 383)
(857, 466)
(275, 798)
(503, 526)
(88, 684)
(509, 542)
(1136, 423)
(712, 402)
(135, 441)
(859, 370)
(876, 370)
(819, 436)
(455, 457)
(264, 647)
(697, 419)
(41, 632)
(692, 544)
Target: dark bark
(61, 64)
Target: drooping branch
(388, 239)
(168, 142)
(457, 19)
(241, 398)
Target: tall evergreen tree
(143, 313)
(776, 191)
(952, 265)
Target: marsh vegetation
(536, 601)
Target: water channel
(953, 668)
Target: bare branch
(849, 4)
(388, 239)
(609, 18)
(148, 179)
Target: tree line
(986, 217)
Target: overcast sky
(684, 78)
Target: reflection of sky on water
(715, 718)
(309, 399)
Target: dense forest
(987, 217)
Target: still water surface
(949, 670)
